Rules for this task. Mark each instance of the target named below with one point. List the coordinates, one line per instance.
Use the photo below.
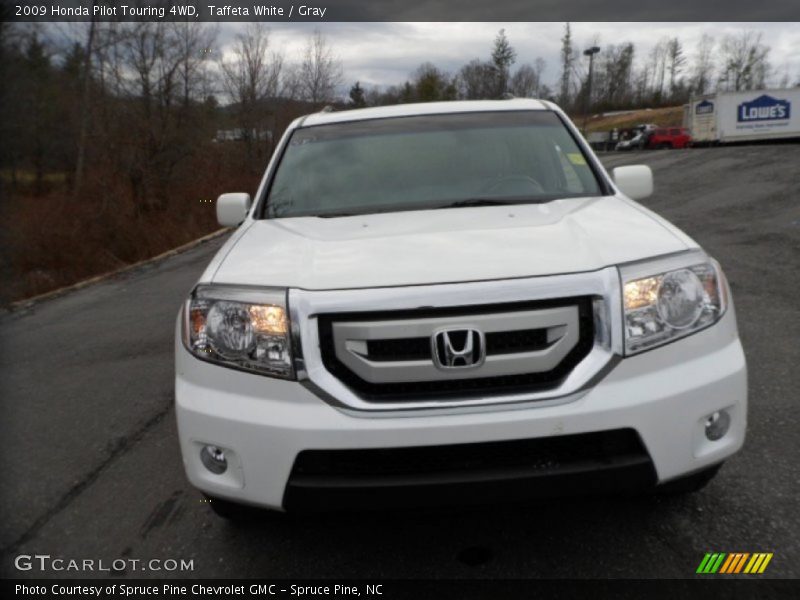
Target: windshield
(427, 162)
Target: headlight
(239, 327)
(676, 297)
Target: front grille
(584, 463)
(419, 348)
(499, 342)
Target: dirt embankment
(671, 116)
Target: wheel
(690, 483)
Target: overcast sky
(386, 53)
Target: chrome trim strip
(297, 340)
(306, 305)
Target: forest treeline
(667, 75)
(116, 136)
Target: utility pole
(590, 52)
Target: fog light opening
(213, 459)
(717, 425)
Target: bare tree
(320, 71)
(291, 84)
(783, 82)
(251, 77)
(703, 67)
(613, 83)
(195, 45)
(149, 77)
(744, 61)
(658, 69)
(253, 73)
(676, 60)
(84, 109)
(476, 80)
(641, 85)
(526, 81)
(151, 58)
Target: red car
(674, 137)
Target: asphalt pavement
(91, 466)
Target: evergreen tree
(503, 56)
(567, 60)
(357, 98)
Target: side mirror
(232, 209)
(636, 181)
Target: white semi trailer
(744, 116)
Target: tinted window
(414, 163)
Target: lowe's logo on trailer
(704, 108)
(763, 108)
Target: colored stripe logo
(734, 563)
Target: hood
(445, 245)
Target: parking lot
(92, 467)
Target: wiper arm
(477, 202)
(454, 204)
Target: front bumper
(664, 395)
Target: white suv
(447, 303)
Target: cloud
(387, 53)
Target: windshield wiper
(467, 202)
(477, 202)
(454, 204)
(333, 215)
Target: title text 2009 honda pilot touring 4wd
(447, 303)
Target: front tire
(690, 483)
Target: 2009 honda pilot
(452, 302)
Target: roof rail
(508, 96)
(327, 109)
